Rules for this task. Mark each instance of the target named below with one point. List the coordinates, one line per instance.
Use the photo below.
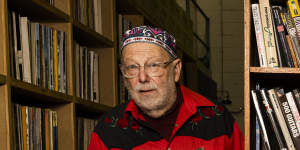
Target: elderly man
(162, 115)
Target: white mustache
(149, 86)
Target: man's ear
(177, 69)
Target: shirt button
(169, 148)
(176, 125)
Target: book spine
(297, 97)
(26, 50)
(45, 60)
(37, 54)
(260, 118)
(280, 119)
(14, 28)
(50, 60)
(81, 69)
(268, 33)
(294, 109)
(33, 53)
(257, 134)
(293, 6)
(288, 116)
(86, 73)
(92, 81)
(288, 22)
(293, 57)
(19, 47)
(59, 61)
(55, 57)
(11, 45)
(282, 36)
(77, 68)
(41, 58)
(269, 112)
(278, 45)
(96, 78)
(64, 53)
(259, 35)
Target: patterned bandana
(151, 35)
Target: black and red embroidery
(206, 113)
(124, 123)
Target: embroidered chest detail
(206, 113)
(125, 123)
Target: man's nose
(143, 76)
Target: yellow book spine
(294, 8)
(295, 13)
(55, 59)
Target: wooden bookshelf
(288, 78)
(68, 106)
(22, 89)
(275, 70)
(89, 37)
(39, 10)
(84, 107)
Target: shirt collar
(191, 100)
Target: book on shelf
(283, 45)
(257, 134)
(51, 2)
(38, 51)
(276, 32)
(293, 57)
(265, 138)
(88, 12)
(288, 22)
(294, 109)
(86, 73)
(293, 6)
(268, 32)
(280, 118)
(35, 128)
(278, 44)
(84, 130)
(272, 120)
(259, 35)
(288, 116)
(95, 91)
(296, 93)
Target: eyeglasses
(153, 69)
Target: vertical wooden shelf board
(108, 57)
(5, 115)
(107, 76)
(66, 126)
(107, 12)
(63, 5)
(247, 47)
(3, 37)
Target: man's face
(149, 92)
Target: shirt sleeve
(236, 141)
(96, 143)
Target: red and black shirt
(199, 125)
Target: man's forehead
(144, 49)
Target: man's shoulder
(116, 111)
(196, 98)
